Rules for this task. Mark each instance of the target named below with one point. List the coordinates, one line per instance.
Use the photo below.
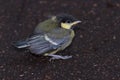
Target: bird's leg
(52, 54)
(58, 56)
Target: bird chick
(51, 36)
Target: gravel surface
(95, 49)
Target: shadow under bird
(51, 36)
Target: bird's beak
(75, 22)
(69, 25)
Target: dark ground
(95, 49)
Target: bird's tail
(21, 44)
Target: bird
(51, 36)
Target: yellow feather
(66, 25)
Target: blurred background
(95, 49)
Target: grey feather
(21, 44)
(43, 43)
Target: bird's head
(66, 21)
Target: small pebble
(21, 75)
(114, 37)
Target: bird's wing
(44, 43)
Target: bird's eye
(68, 21)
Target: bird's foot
(58, 57)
